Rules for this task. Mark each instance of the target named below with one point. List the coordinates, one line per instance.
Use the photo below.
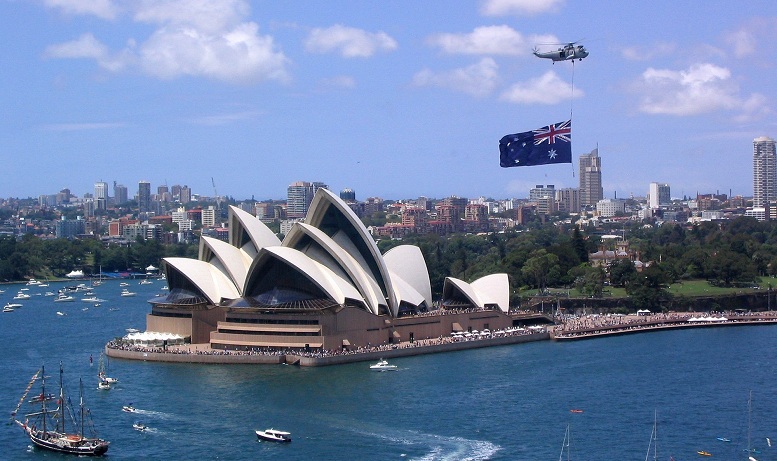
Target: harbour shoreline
(586, 327)
(203, 354)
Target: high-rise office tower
(659, 194)
(298, 197)
(184, 194)
(101, 195)
(590, 189)
(119, 193)
(764, 171)
(144, 196)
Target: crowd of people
(596, 324)
(319, 352)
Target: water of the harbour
(502, 403)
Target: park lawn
(703, 288)
(689, 288)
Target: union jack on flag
(561, 131)
(546, 145)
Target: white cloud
(82, 126)
(479, 79)
(756, 33)
(85, 47)
(494, 40)
(699, 89)
(546, 89)
(648, 52)
(348, 41)
(237, 55)
(104, 9)
(192, 37)
(203, 15)
(519, 7)
(89, 47)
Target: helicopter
(569, 52)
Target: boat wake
(155, 414)
(442, 448)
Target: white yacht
(125, 292)
(21, 295)
(383, 365)
(64, 298)
(272, 435)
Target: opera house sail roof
(327, 261)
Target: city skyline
(399, 101)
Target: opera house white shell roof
(330, 258)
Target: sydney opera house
(325, 286)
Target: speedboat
(138, 426)
(272, 435)
(125, 292)
(145, 282)
(21, 295)
(128, 408)
(33, 282)
(64, 298)
(12, 305)
(124, 284)
(383, 365)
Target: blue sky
(393, 99)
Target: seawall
(404, 350)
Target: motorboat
(61, 314)
(138, 426)
(64, 298)
(124, 284)
(273, 435)
(125, 293)
(383, 365)
(21, 295)
(145, 282)
(92, 299)
(704, 453)
(132, 330)
(7, 309)
(33, 282)
(129, 408)
(12, 305)
(103, 385)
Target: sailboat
(750, 449)
(47, 428)
(653, 439)
(101, 375)
(564, 445)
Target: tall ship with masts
(57, 426)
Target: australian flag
(549, 144)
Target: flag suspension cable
(571, 102)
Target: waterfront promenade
(203, 353)
(597, 326)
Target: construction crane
(215, 194)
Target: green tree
(540, 267)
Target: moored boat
(273, 435)
(47, 429)
(125, 293)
